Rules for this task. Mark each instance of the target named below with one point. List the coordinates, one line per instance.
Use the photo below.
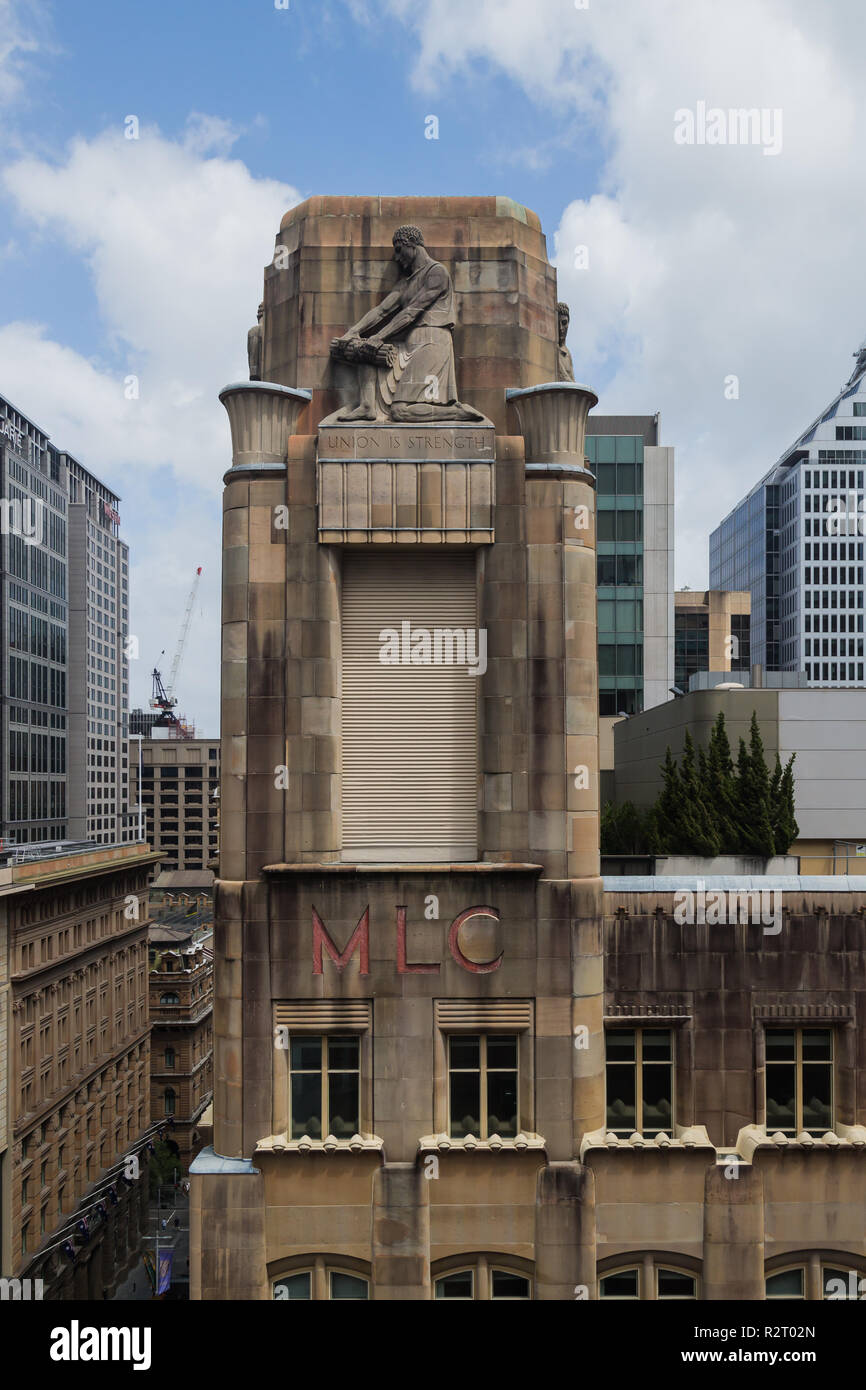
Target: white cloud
(704, 261)
(22, 34)
(176, 235)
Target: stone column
(401, 1233)
(734, 1233)
(562, 636)
(562, 648)
(262, 416)
(565, 1233)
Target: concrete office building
(711, 633)
(34, 634)
(98, 662)
(179, 779)
(77, 1092)
(451, 1062)
(827, 731)
(796, 543)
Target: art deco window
(799, 1080)
(482, 1085)
(320, 1282)
(325, 1087)
(486, 1278)
(648, 1280)
(640, 1080)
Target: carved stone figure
(564, 362)
(402, 352)
(255, 341)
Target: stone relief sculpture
(402, 352)
(255, 343)
(564, 362)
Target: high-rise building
(179, 779)
(64, 575)
(34, 634)
(796, 543)
(98, 662)
(78, 1093)
(711, 633)
(635, 477)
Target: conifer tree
(756, 836)
(702, 836)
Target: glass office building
(634, 479)
(796, 543)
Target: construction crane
(163, 697)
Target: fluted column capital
(262, 415)
(552, 420)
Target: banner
(165, 1262)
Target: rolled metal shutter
(409, 732)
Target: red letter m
(361, 935)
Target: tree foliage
(709, 805)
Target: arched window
(650, 1277)
(484, 1276)
(170, 1058)
(169, 999)
(170, 1098)
(322, 1280)
(815, 1277)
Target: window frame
(483, 1070)
(648, 1265)
(480, 1017)
(325, 1072)
(637, 1064)
(320, 1267)
(798, 1029)
(482, 1265)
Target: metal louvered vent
(409, 731)
(483, 1013)
(324, 1013)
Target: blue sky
(146, 257)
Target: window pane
(620, 1098)
(455, 1285)
(606, 526)
(502, 1103)
(348, 1286)
(343, 1104)
(838, 1284)
(786, 1285)
(307, 1105)
(781, 1086)
(817, 1045)
(672, 1284)
(656, 1045)
(507, 1285)
(465, 1052)
(817, 1097)
(342, 1054)
(781, 1045)
(620, 1045)
(501, 1051)
(606, 478)
(294, 1286)
(657, 1100)
(465, 1103)
(620, 1285)
(306, 1054)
